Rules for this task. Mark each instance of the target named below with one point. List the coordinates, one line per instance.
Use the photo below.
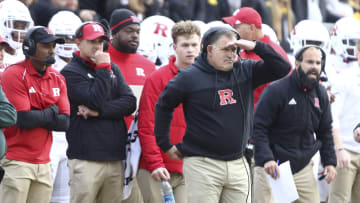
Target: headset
(210, 33)
(29, 45)
(104, 24)
(299, 57)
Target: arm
(146, 122)
(7, 111)
(123, 105)
(265, 114)
(272, 67)
(82, 91)
(169, 99)
(28, 117)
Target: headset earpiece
(29, 45)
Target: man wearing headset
(216, 92)
(39, 95)
(99, 100)
(289, 113)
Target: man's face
(19, 25)
(89, 47)
(222, 56)
(187, 47)
(309, 68)
(244, 30)
(45, 50)
(127, 39)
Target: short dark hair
(184, 28)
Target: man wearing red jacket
(154, 164)
(135, 68)
(248, 23)
(125, 28)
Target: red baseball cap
(245, 15)
(92, 31)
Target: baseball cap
(121, 18)
(245, 15)
(44, 35)
(92, 31)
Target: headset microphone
(48, 60)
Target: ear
(174, 46)
(297, 64)
(209, 49)
(77, 42)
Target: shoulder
(14, 71)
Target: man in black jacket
(217, 97)
(99, 100)
(289, 113)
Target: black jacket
(286, 119)
(100, 138)
(217, 127)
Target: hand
(343, 159)
(357, 134)
(272, 169)
(101, 57)
(330, 172)
(85, 112)
(160, 174)
(174, 153)
(87, 14)
(243, 44)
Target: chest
(43, 92)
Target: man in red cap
(248, 23)
(39, 95)
(99, 100)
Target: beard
(305, 78)
(125, 48)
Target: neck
(40, 67)
(180, 65)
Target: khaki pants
(151, 188)
(135, 196)
(25, 182)
(213, 181)
(346, 184)
(304, 180)
(100, 181)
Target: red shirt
(135, 68)
(27, 90)
(251, 55)
(152, 157)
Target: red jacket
(252, 55)
(152, 157)
(135, 68)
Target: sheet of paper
(283, 188)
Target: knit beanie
(121, 18)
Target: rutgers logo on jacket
(226, 97)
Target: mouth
(133, 43)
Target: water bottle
(166, 192)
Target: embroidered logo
(226, 97)
(140, 72)
(32, 90)
(56, 92)
(292, 102)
